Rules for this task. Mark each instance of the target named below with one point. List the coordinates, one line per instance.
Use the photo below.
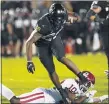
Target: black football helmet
(58, 14)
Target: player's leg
(8, 94)
(20, 36)
(58, 50)
(15, 41)
(45, 55)
(35, 96)
(46, 58)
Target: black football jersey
(47, 29)
(104, 6)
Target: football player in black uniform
(99, 11)
(47, 38)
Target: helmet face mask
(84, 87)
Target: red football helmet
(90, 83)
(89, 76)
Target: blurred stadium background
(82, 45)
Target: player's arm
(78, 100)
(91, 100)
(88, 98)
(92, 13)
(94, 10)
(73, 17)
(9, 27)
(73, 96)
(100, 99)
(35, 36)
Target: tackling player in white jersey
(77, 92)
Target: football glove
(30, 67)
(64, 95)
(82, 78)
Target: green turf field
(16, 77)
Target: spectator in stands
(4, 34)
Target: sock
(6, 92)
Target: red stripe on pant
(27, 101)
(31, 95)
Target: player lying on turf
(77, 92)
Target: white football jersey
(34, 97)
(51, 95)
(72, 85)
